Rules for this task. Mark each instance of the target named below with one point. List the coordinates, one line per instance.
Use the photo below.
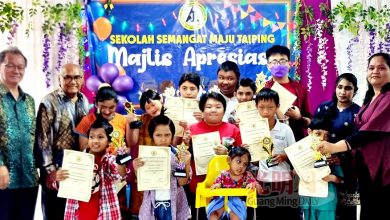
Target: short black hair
(193, 78)
(277, 49)
(267, 94)
(106, 93)
(211, 95)
(247, 82)
(101, 122)
(161, 119)
(147, 96)
(12, 50)
(234, 151)
(321, 122)
(229, 66)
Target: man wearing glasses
(59, 113)
(18, 174)
(299, 115)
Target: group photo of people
(126, 110)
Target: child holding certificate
(278, 63)
(236, 177)
(103, 203)
(189, 85)
(151, 103)
(244, 93)
(170, 203)
(213, 106)
(316, 208)
(274, 172)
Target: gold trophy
(320, 159)
(180, 169)
(129, 108)
(118, 142)
(268, 146)
(131, 111)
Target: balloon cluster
(106, 72)
(116, 77)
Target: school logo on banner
(192, 16)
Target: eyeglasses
(69, 79)
(280, 62)
(12, 66)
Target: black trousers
(18, 204)
(374, 197)
(53, 207)
(346, 212)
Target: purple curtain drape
(309, 56)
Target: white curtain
(359, 48)
(34, 81)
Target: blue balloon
(95, 10)
(101, 52)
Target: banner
(158, 41)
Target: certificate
(202, 146)
(247, 111)
(78, 185)
(174, 106)
(179, 109)
(314, 188)
(156, 171)
(190, 106)
(302, 157)
(251, 133)
(286, 97)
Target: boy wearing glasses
(299, 115)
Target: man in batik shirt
(18, 174)
(59, 112)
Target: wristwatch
(50, 168)
(136, 124)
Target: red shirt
(90, 210)
(108, 200)
(302, 102)
(225, 130)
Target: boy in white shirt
(279, 199)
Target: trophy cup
(227, 141)
(180, 169)
(268, 146)
(320, 159)
(122, 157)
(131, 111)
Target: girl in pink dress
(236, 177)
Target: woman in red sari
(373, 139)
